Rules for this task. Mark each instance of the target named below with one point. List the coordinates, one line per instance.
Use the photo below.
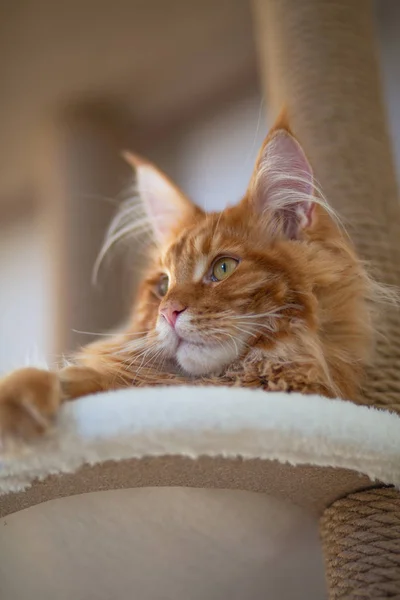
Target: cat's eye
(162, 285)
(223, 268)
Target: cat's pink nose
(171, 311)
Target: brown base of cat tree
(360, 532)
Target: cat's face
(273, 270)
(217, 290)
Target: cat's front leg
(30, 400)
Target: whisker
(133, 345)
(221, 341)
(94, 333)
(275, 313)
(245, 331)
(109, 334)
(263, 333)
(226, 334)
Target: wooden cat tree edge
(308, 449)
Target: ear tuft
(165, 205)
(282, 183)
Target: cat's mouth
(182, 340)
(195, 353)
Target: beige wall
(25, 314)
(211, 158)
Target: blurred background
(176, 81)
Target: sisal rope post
(361, 539)
(319, 58)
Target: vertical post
(82, 176)
(361, 539)
(319, 58)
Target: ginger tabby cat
(268, 293)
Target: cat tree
(337, 460)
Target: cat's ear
(282, 182)
(165, 204)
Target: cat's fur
(294, 315)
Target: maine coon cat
(268, 293)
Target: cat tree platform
(331, 458)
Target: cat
(269, 293)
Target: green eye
(223, 268)
(162, 285)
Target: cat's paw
(29, 402)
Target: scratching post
(319, 58)
(361, 537)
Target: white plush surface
(212, 421)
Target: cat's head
(274, 271)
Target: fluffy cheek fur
(197, 354)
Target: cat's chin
(203, 359)
(197, 357)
